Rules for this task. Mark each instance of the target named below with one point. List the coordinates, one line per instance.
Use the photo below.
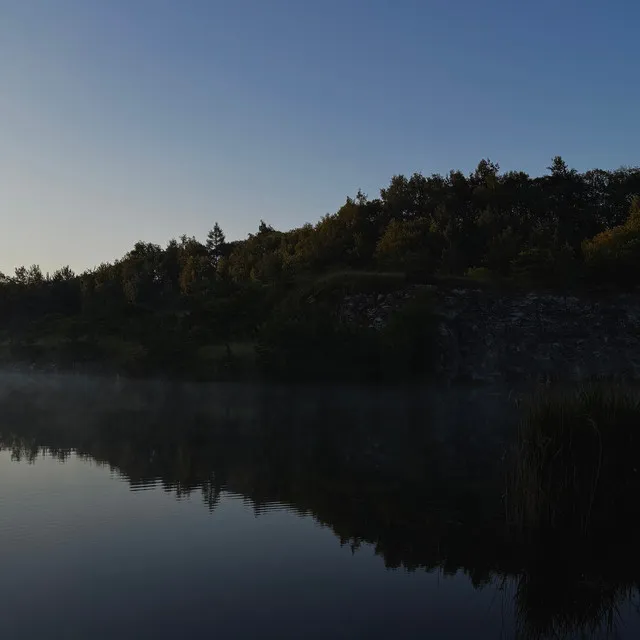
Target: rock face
(373, 310)
(540, 336)
(490, 337)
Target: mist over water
(146, 509)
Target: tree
(565, 192)
(20, 275)
(559, 168)
(503, 247)
(614, 255)
(34, 275)
(63, 274)
(215, 244)
(486, 174)
(264, 228)
(408, 245)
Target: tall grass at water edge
(575, 467)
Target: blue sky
(123, 120)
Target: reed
(574, 468)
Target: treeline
(563, 229)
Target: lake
(133, 510)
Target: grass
(574, 469)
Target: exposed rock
(486, 336)
(507, 336)
(373, 311)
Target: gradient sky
(123, 120)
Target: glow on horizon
(126, 120)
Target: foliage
(563, 229)
(546, 266)
(575, 467)
(215, 245)
(614, 254)
(304, 338)
(408, 245)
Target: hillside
(218, 309)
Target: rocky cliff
(488, 336)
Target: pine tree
(215, 244)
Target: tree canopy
(559, 229)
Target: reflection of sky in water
(86, 554)
(82, 556)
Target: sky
(127, 120)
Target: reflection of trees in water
(561, 606)
(392, 471)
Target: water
(83, 556)
(240, 512)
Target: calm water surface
(252, 522)
(84, 556)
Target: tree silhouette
(564, 229)
(215, 244)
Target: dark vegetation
(267, 304)
(571, 503)
(553, 527)
(576, 467)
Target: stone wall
(492, 337)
